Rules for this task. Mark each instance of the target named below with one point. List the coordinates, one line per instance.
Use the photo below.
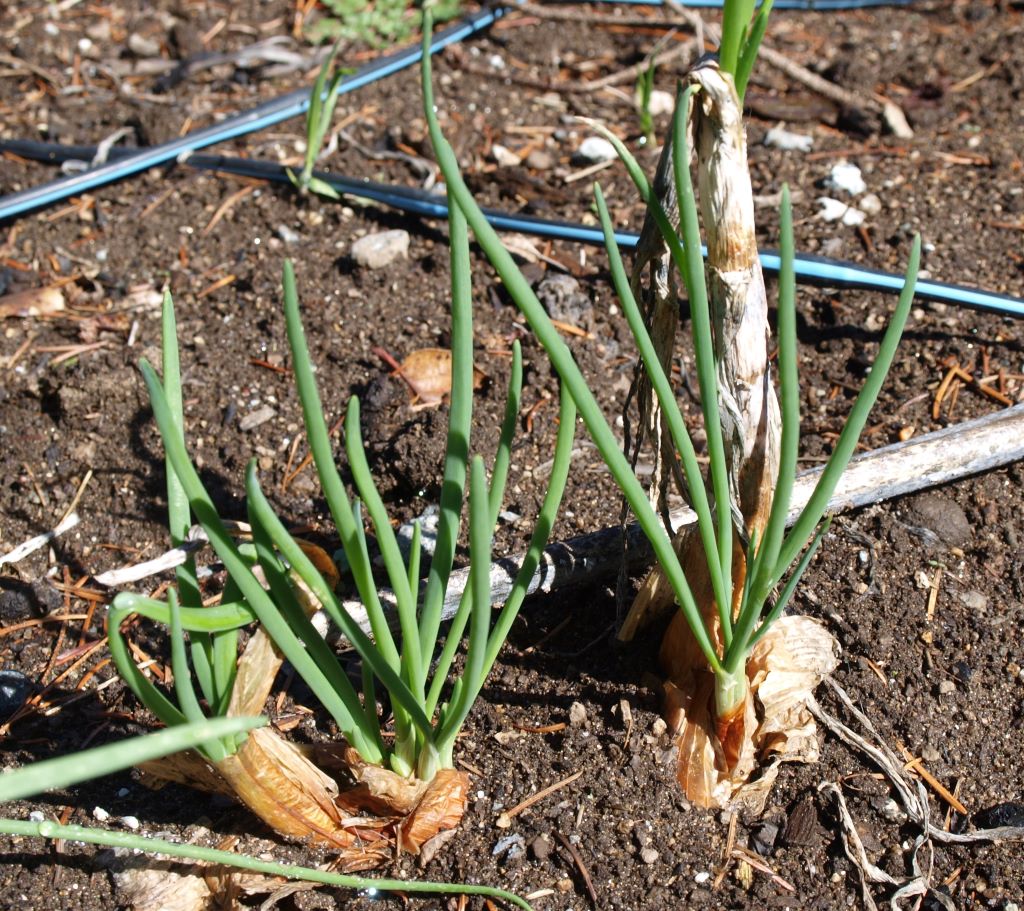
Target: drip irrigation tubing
(265, 115)
(297, 102)
(810, 269)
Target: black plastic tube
(291, 105)
(810, 270)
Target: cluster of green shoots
(416, 681)
(768, 559)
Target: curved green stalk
(480, 602)
(752, 44)
(132, 842)
(846, 445)
(736, 16)
(693, 277)
(309, 574)
(65, 771)
(503, 455)
(460, 416)
(330, 481)
(670, 410)
(549, 338)
(264, 608)
(397, 571)
(499, 477)
(704, 354)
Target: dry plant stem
(912, 796)
(747, 403)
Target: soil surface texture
(925, 594)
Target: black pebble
(1010, 813)
(14, 690)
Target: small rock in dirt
(596, 149)
(973, 600)
(661, 102)
(783, 139)
(288, 235)
(930, 754)
(577, 715)
(659, 727)
(941, 516)
(14, 690)
(254, 418)
(763, 838)
(1010, 813)
(539, 160)
(511, 847)
(375, 251)
(563, 299)
(649, 855)
(946, 687)
(870, 203)
(541, 848)
(141, 46)
(19, 600)
(835, 210)
(564, 885)
(847, 178)
(504, 157)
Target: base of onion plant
(412, 772)
(742, 618)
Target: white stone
(781, 138)
(597, 149)
(100, 815)
(375, 251)
(834, 210)
(661, 103)
(870, 203)
(504, 157)
(846, 177)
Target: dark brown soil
(948, 687)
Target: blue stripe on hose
(809, 269)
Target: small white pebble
(702, 877)
(37, 816)
(780, 138)
(846, 177)
(131, 822)
(100, 815)
(596, 149)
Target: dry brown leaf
(162, 886)
(440, 808)
(257, 668)
(428, 371)
(34, 302)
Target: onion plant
(743, 29)
(770, 558)
(430, 701)
(322, 100)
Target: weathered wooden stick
(936, 458)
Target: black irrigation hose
(814, 270)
